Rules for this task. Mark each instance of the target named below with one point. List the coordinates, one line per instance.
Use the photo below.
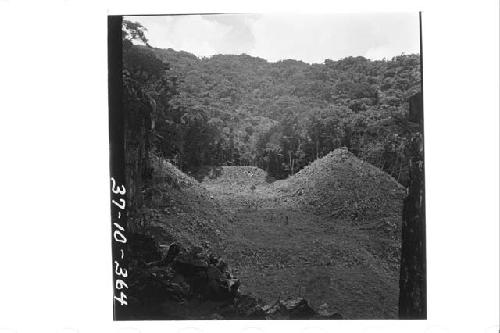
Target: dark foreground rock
(193, 284)
(413, 281)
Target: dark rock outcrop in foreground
(413, 281)
(193, 284)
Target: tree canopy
(244, 110)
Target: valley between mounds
(329, 234)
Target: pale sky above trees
(310, 38)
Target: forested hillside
(243, 110)
(288, 191)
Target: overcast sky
(310, 38)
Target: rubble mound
(238, 184)
(237, 175)
(164, 171)
(343, 186)
(192, 283)
(178, 209)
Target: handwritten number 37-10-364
(119, 237)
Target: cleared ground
(330, 233)
(280, 248)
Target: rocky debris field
(179, 283)
(329, 234)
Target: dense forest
(244, 110)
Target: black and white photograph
(273, 167)
(250, 166)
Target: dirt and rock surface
(329, 234)
(192, 283)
